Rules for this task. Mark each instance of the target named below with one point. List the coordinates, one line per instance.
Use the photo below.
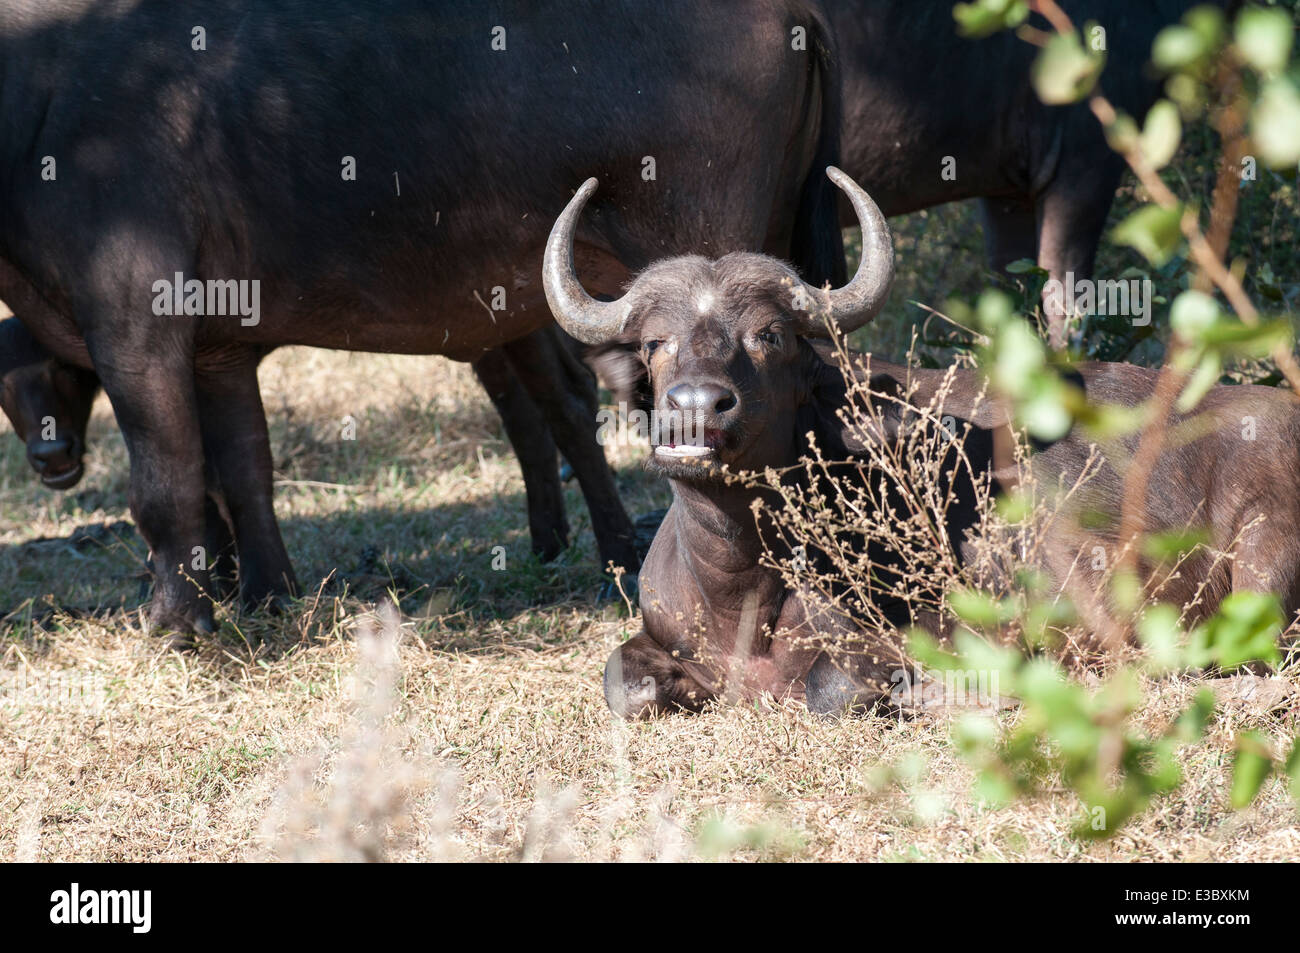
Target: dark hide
(916, 93)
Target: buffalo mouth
(706, 447)
(685, 451)
(63, 478)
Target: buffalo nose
(701, 398)
(52, 456)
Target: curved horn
(862, 298)
(582, 316)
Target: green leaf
(1292, 771)
(985, 17)
(1065, 705)
(993, 789)
(1161, 134)
(1064, 71)
(1019, 357)
(1119, 697)
(1275, 123)
(1109, 421)
(1207, 21)
(922, 647)
(1191, 724)
(1122, 134)
(1044, 614)
(1187, 92)
(1015, 507)
(1166, 774)
(994, 309)
(1263, 38)
(1244, 629)
(1207, 374)
(1258, 340)
(1023, 266)
(1178, 47)
(975, 733)
(1163, 547)
(981, 655)
(1044, 412)
(1153, 231)
(979, 609)
(1251, 768)
(1192, 314)
(1126, 590)
(1160, 634)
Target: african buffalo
(189, 189)
(933, 117)
(724, 349)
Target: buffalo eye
(650, 347)
(769, 337)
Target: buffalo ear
(828, 395)
(619, 366)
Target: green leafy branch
(1064, 729)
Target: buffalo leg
(151, 386)
(236, 444)
(220, 543)
(565, 391)
(1010, 231)
(1268, 560)
(1072, 215)
(534, 449)
(642, 679)
(830, 688)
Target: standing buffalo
(187, 191)
(933, 117)
(723, 349)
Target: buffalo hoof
(224, 580)
(275, 604)
(642, 680)
(176, 631)
(175, 641)
(829, 691)
(550, 547)
(628, 695)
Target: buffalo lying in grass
(724, 350)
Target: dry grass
(478, 731)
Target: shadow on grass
(462, 573)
